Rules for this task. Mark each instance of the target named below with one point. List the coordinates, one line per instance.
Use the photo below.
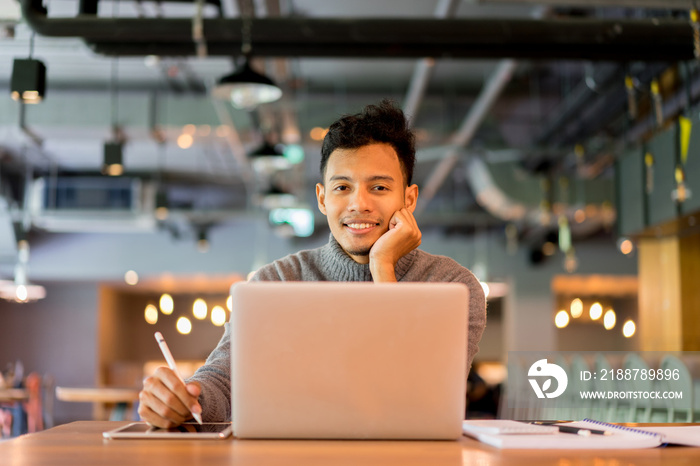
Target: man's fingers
(160, 396)
(149, 415)
(166, 401)
(177, 387)
(194, 389)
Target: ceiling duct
(499, 204)
(568, 38)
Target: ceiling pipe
(423, 70)
(578, 98)
(495, 85)
(495, 201)
(570, 38)
(600, 112)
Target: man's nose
(359, 201)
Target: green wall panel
(692, 170)
(662, 207)
(630, 202)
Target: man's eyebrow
(340, 178)
(371, 178)
(381, 178)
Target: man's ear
(321, 197)
(411, 197)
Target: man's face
(361, 190)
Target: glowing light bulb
(609, 319)
(596, 311)
(199, 309)
(131, 277)
(151, 314)
(628, 329)
(561, 320)
(183, 325)
(185, 141)
(576, 308)
(218, 316)
(21, 293)
(626, 246)
(166, 304)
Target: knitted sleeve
(215, 380)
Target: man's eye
(381, 188)
(341, 188)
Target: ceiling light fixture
(112, 159)
(246, 88)
(20, 290)
(202, 241)
(162, 210)
(28, 82)
(268, 158)
(113, 151)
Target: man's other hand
(402, 237)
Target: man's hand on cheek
(403, 237)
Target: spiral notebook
(673, 435)
(622, 437)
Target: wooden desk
(82, 443)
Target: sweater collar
(343, 268)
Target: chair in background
(562, 407)
(681, 409)
(509, 406)
(516, 402)
(49, 395)
(33, 406)
(580, 408)
(641, 410)
(605, 409)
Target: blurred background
(153, 148)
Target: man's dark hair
(381, 123)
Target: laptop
(330, 360)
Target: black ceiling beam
(603, 109)
(580, 97)
(569, 38)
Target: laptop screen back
(348, 360)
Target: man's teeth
(360, 226)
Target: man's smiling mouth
(361, 226)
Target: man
(367, 164)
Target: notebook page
(677, 435)
(620, 439)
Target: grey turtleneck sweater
(331, 263)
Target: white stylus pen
(171, 363)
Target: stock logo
(541, 369)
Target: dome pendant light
(246, 88)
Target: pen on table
(582, 431)
(171, 363)
(573, 430)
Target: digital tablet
(191, 430)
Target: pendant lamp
(246, 88)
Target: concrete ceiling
(88, 93)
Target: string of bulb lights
(596, 313)
(200, 310)
(166, 307)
